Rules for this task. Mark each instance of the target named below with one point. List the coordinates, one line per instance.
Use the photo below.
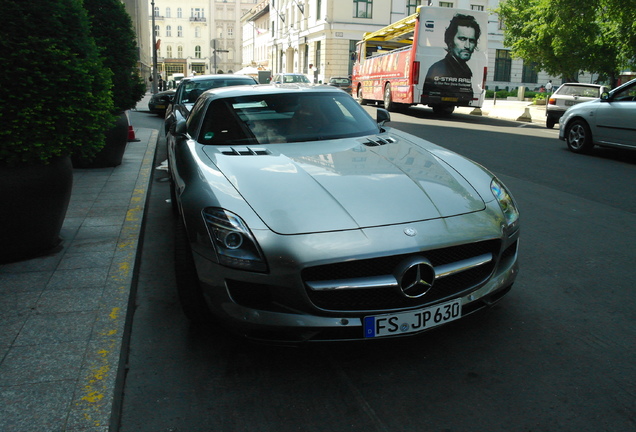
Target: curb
(96, 399)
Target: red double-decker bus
(436, 57)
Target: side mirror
(179, 129)
(605, 96)
(382, 116)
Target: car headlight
(505, 200)
(232, 240)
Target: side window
(213, 131)
(195, 118)
(626, 95)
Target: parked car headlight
(233, 242)
(505, 200)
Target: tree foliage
(115, 37)
(56, 92)
(564, 37)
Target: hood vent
(245, 151)
(377, 141)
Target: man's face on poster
(464, 43)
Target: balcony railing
(198, 19)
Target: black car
(341, 82)
(191, 88)
(160, 101)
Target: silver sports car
(300, 218)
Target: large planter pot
(113, 152)
(35, 199)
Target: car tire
(361, 100)
(188, 286)
(389, 105)
(550, 122)
(579, 137)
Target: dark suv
(191, 88)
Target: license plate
(569, 103)
(160, 106)
(412, 321)
(450, 99)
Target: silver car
(567, 95)
(290, 78)
(300, 218)
(609, 121)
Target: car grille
(390, 298)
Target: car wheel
(188, 285)
(579, 137)
(389, 105)
(550, 122)
(361, 100)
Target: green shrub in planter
(56, 92)
(56, 101)
(113, 32)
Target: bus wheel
(361, 100)
(443, 110)
(389, 105)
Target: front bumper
(261, 315)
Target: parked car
(160, 101)
(290, 78)
(609, 121)
(191, 88)
(567, 95)
(301, 218)
(341, 82)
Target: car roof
(573, 84)
(214, 76)
(267, 89)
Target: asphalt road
(558, 353)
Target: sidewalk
(63, 316)
(509, 110)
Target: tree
(564, 37)
(56, 92)
(114, 35)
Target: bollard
(525, 116)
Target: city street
(558, 353)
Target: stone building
(198, 36)
(314, 37)
(318, 37)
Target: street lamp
(154, 50)
(214, 51)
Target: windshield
(580, 91)
(281, 118)
(194, 88)
(294, 79)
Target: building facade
(138, 11)
(198, 36)
(314, 37)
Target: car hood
(344, 184)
